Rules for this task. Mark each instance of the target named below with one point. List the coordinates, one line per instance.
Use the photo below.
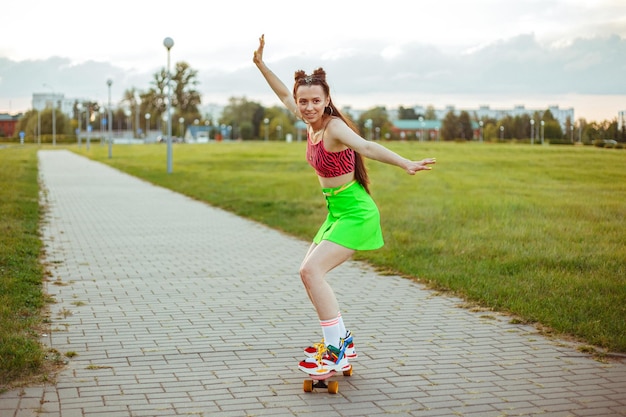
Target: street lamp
(480, 123)
(168, 43)
(532, 131)
(147, 116)
(542, 124)
(267, 122)
(39, 125)
(110, 120)
(54, 116)
(79, 112)
(501, 132)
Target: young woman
(335, 150)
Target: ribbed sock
(342, 327)
(331, 331)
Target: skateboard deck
(319, 381)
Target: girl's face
(311, 102)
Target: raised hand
(258, 54)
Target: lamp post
(147, 116)
(542, 124)
(38, 126)
(501, 133)
(79, 108)
(88, 126)
(110, 120)
(267, 122)
(181, 129)
(480, 123)
(54, 116)
(532, 131)
(168, 43)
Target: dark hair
(318, 77)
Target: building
(485, 112)
(43, 101)
(8, 124)
(417, 129)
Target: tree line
(247, 120)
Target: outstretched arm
(279, 88)
(373, 150)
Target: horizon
(570, 53)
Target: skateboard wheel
(348, 372)
(307, 386)
(333, 387)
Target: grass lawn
(534, 231)
(21, 274)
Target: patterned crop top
(329, 164)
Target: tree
(430, 114)
(380, 120)
(407, 113)
(449, 126)
(187, 97)
(465, 126)
(131, 98)
(243, 115)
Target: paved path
(174, 307)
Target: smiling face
(311, 102)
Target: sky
(466, 54)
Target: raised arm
(279, 88)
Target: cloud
(514, 66)
(517, 65)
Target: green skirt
(353, 219)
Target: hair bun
(320, 73)
(299, 75)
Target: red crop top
(329, 164)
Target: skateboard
(319, 381)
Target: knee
(307, 275)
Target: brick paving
(174, 307)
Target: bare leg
(319, 260)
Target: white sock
(342, 327)
(331, 331)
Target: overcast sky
(570, 53)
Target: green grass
(21, 297)
(533, 231)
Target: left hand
(414, 166)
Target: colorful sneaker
(313, 367)
(350, 353)
(335, 359)
(313, 364)
(311, 351)
(349, 342)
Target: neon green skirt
(353, 219)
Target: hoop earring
(329, 110)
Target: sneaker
(311, 351)
(328, 358)
(349, 342)
(335, 359)
(313, 367)
(313, 364)
(350, 352)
